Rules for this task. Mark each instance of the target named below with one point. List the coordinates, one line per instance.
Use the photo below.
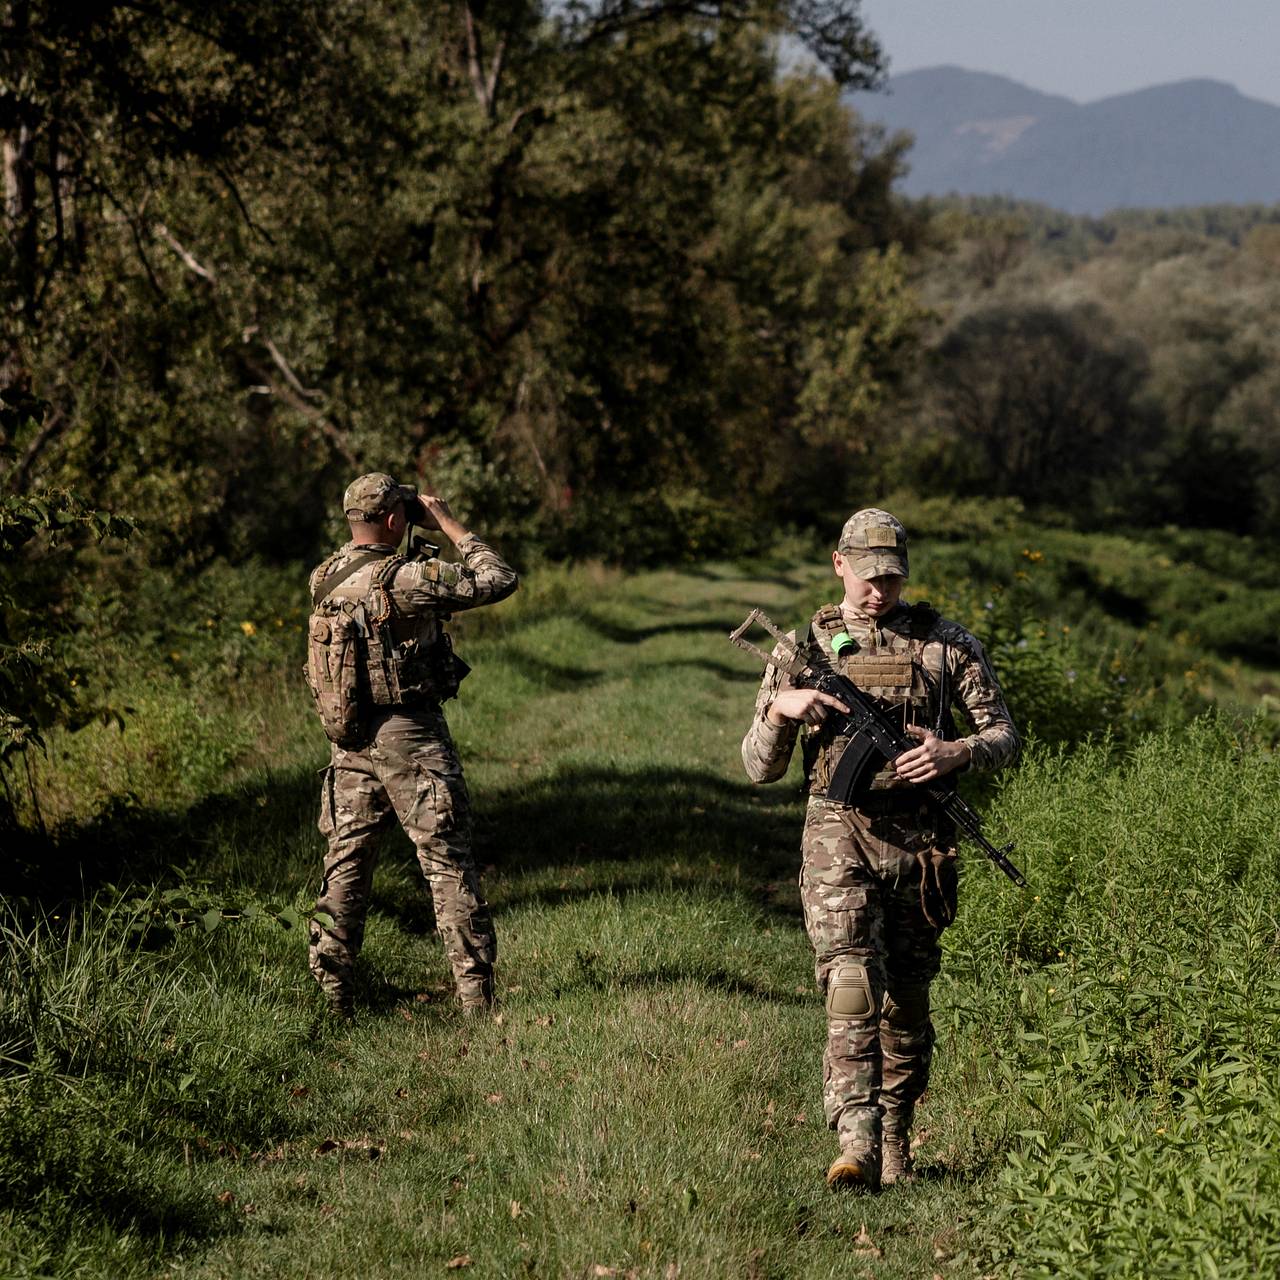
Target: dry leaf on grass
(364, 1147)
(863, 1243)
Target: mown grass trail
(648, 1100)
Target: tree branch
(298, 402)
(184, 253)
(290, 377)
(20, 473)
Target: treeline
(596, 269)
(625, 279)
(1123, 370)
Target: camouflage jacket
(424, 592)
(994, 743)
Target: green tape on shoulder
(840, 641)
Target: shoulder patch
(438, 571)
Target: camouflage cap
(374, 495)
(875, 544)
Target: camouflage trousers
(877, 952)
(409, 771)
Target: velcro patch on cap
(882, 535)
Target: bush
(1140, 1022)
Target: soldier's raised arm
(483, 577)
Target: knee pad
(850, 993)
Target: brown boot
(895, 1153)
(340, 1005)
(857, 1165)
(896, 1164)
(476, 996)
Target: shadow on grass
(257, 835)
(744, 674)
(554, 676)
(669, 975)
(584, 832)
(619, 633)
(655, 815)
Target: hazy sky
(1088, 49)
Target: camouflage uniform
(877, 878)
(407, 771)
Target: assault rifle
(871, 734)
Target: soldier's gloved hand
(809, 706)
(934, 758)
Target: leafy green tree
(1039, 403)
(41, 684)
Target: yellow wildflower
(249, 628)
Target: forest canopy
(589, 267)
(625, 279)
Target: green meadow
(173, 1101)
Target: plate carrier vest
(364, 654)
(894, 674)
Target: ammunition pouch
(404, 671)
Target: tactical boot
(895, 1158)
(895, 1154)
(857, 1165)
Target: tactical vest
(364, 653)
(893, 673)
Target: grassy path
(648, 1101)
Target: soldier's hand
(433, 509)
(934, 758)
(809, 706)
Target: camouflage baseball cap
(875, 544)
(374, 495)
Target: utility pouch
(333, 674)
(939, 885)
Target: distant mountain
(1189, 143)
